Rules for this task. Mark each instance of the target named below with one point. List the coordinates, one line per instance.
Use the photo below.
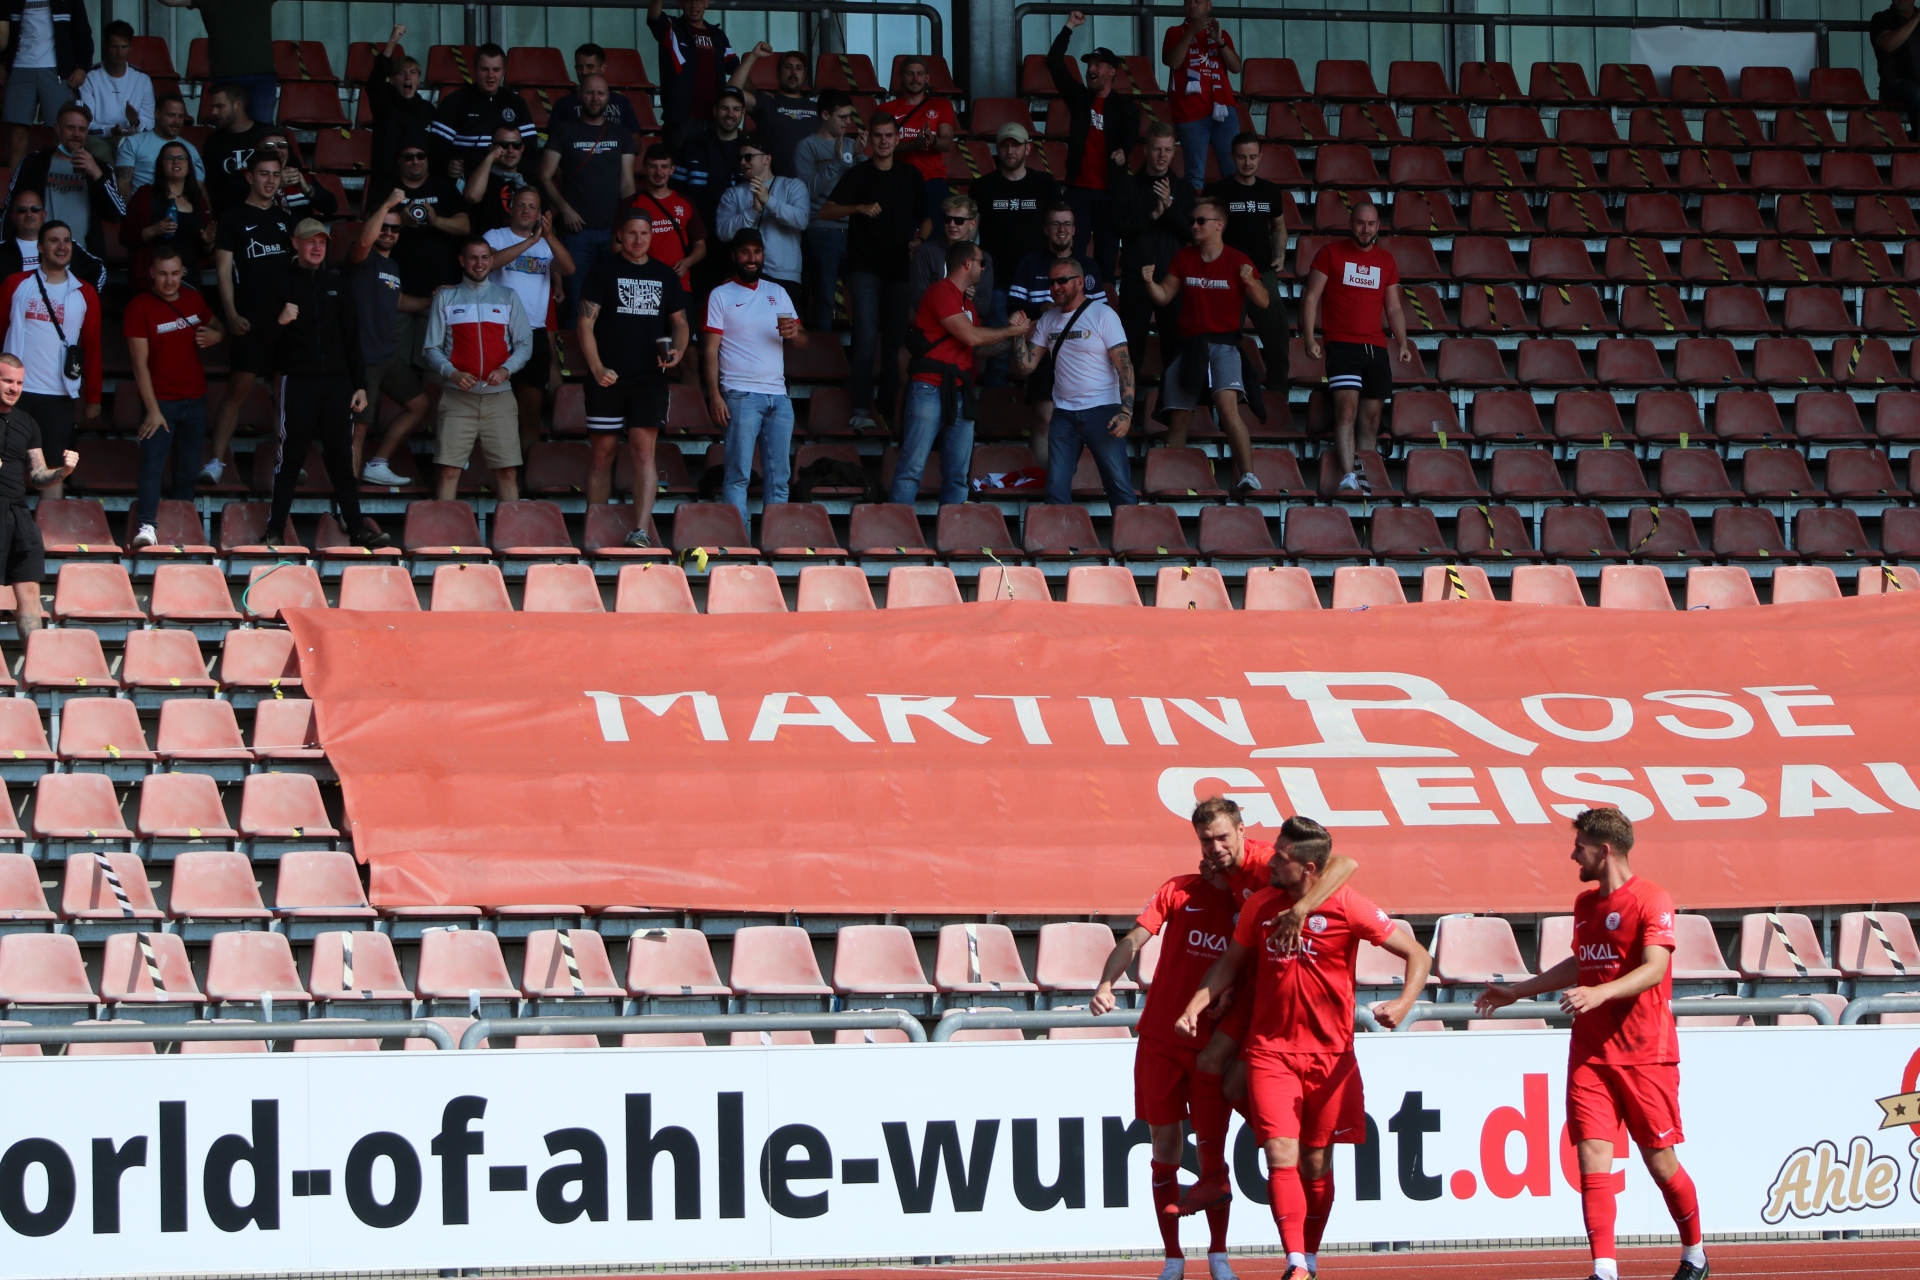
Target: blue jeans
(263, 93)
(587, 245)
(183, 436)
(1195, 136)
(923, 425)
(880, 321)
(754, 417)
(822, 250)
(1074, 429)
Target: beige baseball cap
(1012, 131)
(309, 228)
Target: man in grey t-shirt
(786, 117)
(819, 161)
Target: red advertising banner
(1019, 758)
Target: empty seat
(355, 967)
(378, 587)
(1804, 583)
(22, 900)
(1663, 534)
(102, 731)
(1283, 588)
(1528, 475)
(1546, 584)
(912, 586)
(1694, 475)
(877, 959)
(128, 968)
(77, 806)
(163, 662)
(775, 960)
(75, 527)
(1440, 583)
(470, 588)
(181, 808)
(87, 893)
(886, 530)
(260, 663)
(1495, 534)
(1876, 944)
(1366, 586)
(1404, 533)
(1072, 956)
(442, 530)
(1857, 474)
(1609, 475)
(43, 969)
(284, 806)
(215, 885)
(1476, 949)
(832, 588)
(1775, 945)
(1013, 582)
(245, 967)
(201, 730)
(1830, 533)
(1708, 362)
(672, 962)
(1634, 586)
(94, 593)
(1629, 362)
(1777, 475)
(1472, 362)
(1720, 586)
(545, 973)
(1736, 309)
(798, 530)
(561, 588)
(190, 593)
(23, 738)
(1320, 533)
(1144, 532)
(743, 588)
(1101, 585)
(320, 885)
(456, 962)
(659, 588)
(1587, 417)
(1749, 533)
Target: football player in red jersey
(1624, 1062)
(1303, 1081)
(1171, 1079)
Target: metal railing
(895, 8)
(866, 1020)
(1873, 1005)
(1028, 1020)
(1488, 23)
(1684, 1007)
(143, 1033)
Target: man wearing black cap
(1103, 127)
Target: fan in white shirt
(120, 96)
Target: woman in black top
(172, 210)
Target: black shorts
(252, 352)
(1362, 367)
(630, 402)
(23, 556)
(539, 366)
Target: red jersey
(942, 299)
(1354, 306)
(676, 226)
(1212, 296)
(1093, 162)
(922, 120)
(1199, 920)
(1303, 996)
(1610, 935)
(1255, 866)
(1201, 81)
(173, 359)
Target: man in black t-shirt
(628, 305)
(884, 202)
(1013, 202)
(1898, 58)
(490, 187)
(230, 145)
(1257, 227)
(587, 171)
(22, 462)
(252, 245)
(786, 117)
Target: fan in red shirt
(927, 129)
(1198, 55)
(1356, 279)
(1213, 282)
(679, 236)
(1303, 1080)
(1178, 1075)
(1624, 1063)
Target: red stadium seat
(1638, 169)
(1492, 167)
(244, 967)
(1184, 587)
(776, 961)
(1877, 131)
(1861, 475)
(1527, 475)
(920, 586)
(1518, 126)
(1772, 474)
(1737, 309)
(1787, 362)
(1720, 587)
(1418, 82)
(272, 588)
(1837, 86)
(95, 593)
(1731, 128)
(1831, 533)
(743, 588)
(1440, 583)
(39, 969)
(1551, 362)
(1235, 533)
(655, 588)
(1071, 956)
(1442, 475)
(1558, 260)
(470, 588)
(1828, 417)
(1546, 584)
(1013, 582)
(886, 531)
(1507, 417)
(1344, 165)
(1887, 579)
(77, 806)
(1669, 418)
(799, 531)
(75, 527)
(530, 531)
(1816, 311)
(1401, 534)
(86, 895)
(1489, 82)
(1271, 79)
(1769, 87)
(1781, 946)
(126, 977)
(1657, 214)
(1284, 588)
(442, 531)
(23, 739)
(1472, 362)
(200, 731)
(1788, 262)
(1101, 585)
(458, 965)
(1695, 475)
(1749, 533)
(311, 106)
(878, 961)
(1708, 362)
(1891, 310)
(1578, 534)
(1874, 945)
(162, 663)
(1345, 81)
(1803, 130)
(1634, 586)
(1587, 417)
(263, 663)
(1800, 214)
(1370, 123)
(283, 807)
(1060, 533)
(1695, 85)
(1609, 475)
(1147, 532)
(1566, 168)
(973, 530)
(214, 887)
(1560, 82)
(546, 976)
(1475, 950)
(1709, 171)
(561, 588)
(1320, 533)
(320, 886)
(103, 731)
(1712, 262)
(284, 729)
(833, 588)
(667, 963)
(1663, 534)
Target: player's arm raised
(1391, 1013)
(1287, 925)
(1219, 978)
(1561, 976)
(1117, 961)
(1625, 987)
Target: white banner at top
(395, 1161)
(1664, 48)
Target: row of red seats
(80, 811)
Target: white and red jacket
(477, 328)
(29, 333)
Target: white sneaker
(1174, 1269)
(146, 537)
(862, 421)
(1349, 481)
(378, 472)
(1249, 483)
(212, 472)
(1218, 1269)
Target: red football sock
(1166, 1194)
(1209, 1113)
(1288, 1199)
(1684, 1205)
(1596, 1205)
(1217, 1226)
(1319, 1192)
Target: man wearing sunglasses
(491, 186)
(20, 251)
(959, 220)
(1092, 385)
(776, 208)
(1032, 290)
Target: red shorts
(1646, 1098)
(1162, 1078)
(1315, 1097)
(1234, 1022)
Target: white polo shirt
(1083, 374)
(752, 352)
